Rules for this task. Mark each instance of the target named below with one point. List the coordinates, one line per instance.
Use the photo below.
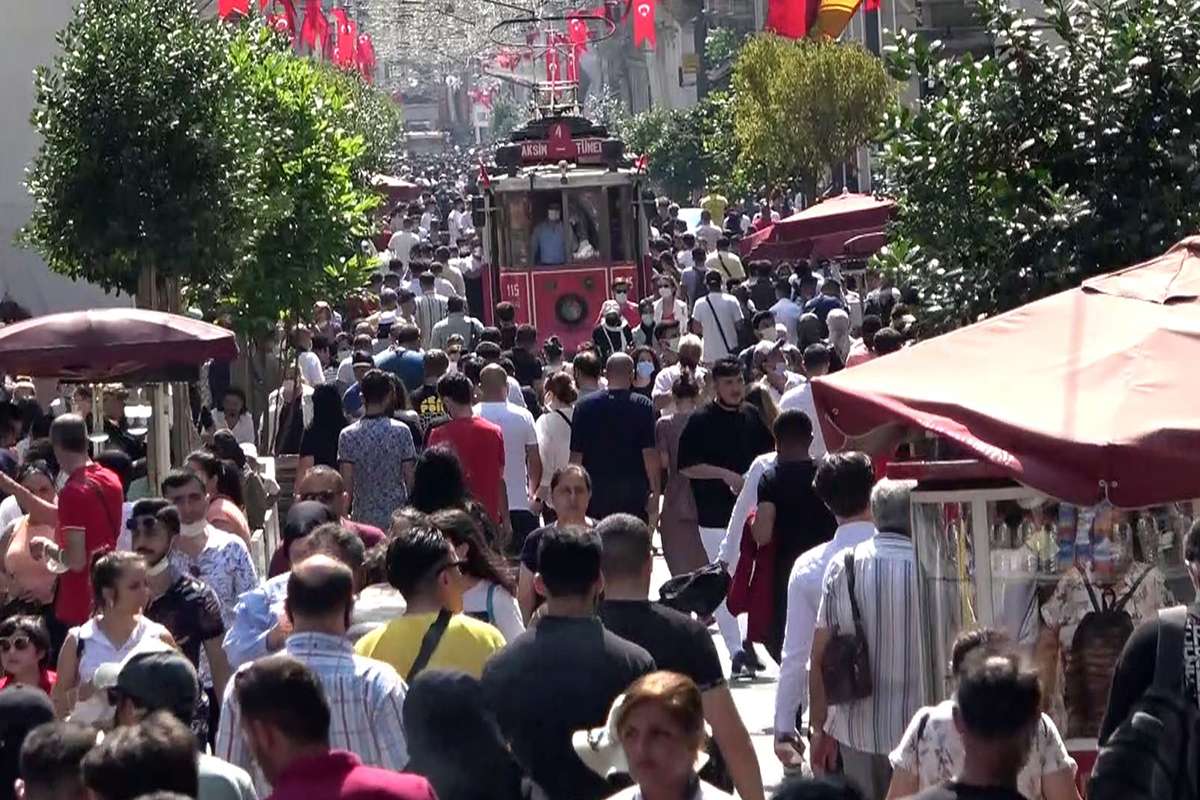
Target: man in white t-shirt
(707, 232)
(816, 364)
(786, 310)
(522, 463)
(402, 241)
(690, 351)
(311, 369)
(725, 262)
(718, 314)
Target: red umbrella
(821, 231)
(1080, 395)
(116, 344)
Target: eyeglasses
(456, 564)
(18, 643)
(140, 523)
(320, 497)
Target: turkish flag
(289, 14)
(792, 18)
(314, 31)
(345, 34)
(227, 7)
(553, 68)
(577, 30)
(643, 23)
(365, 57)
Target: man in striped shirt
(365, 696)
(431, 307)
(862, 731)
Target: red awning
(116, 344)
(1089, 392)
(822, 230)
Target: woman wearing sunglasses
(25, 654)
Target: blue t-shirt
(407, 365)
(352, 402)
(550, 243)
(822, 304)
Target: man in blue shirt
(829, 299)
(550, 238)
(404, 358)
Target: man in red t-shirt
(479, 445)
(89, 517)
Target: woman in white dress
(656, 734)
(117, 627)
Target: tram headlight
(571, 309)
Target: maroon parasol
(822, 230)
(116, 344)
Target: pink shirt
(339, 775)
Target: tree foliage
(211, 152)
(1020, 174)
(800, 106)
(142, 160)
(687, 149)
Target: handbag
(846, 665)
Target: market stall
(1058, 451)
(824, 230)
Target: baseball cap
(162, 679)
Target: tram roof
(550, 176)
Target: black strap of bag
(720, 329)
(429, 643)
(565, 418)
(854, 611)
(1168, 660)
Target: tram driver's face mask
(553, 215)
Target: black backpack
(1089, 663)
(1155, 753)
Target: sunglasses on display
(18, 643)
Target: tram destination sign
(561, 147)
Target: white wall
(29, 41)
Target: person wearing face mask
(613, 334)
(666, 342)
(668, 307)
(770, 363)
(645, 369)
(643, 332)
(185, 606)
(629, 309)
(687, 358)
(763, 326)
(550, 238)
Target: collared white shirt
(788, 312)
(747, 501)
(885, 573)
(441, 285)
(365, 700)
(801, 398)
(805, 585)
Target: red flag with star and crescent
(484, 177)
(365, 57)
(643, 23)
(282, 23)
(314, 30)
(228, 7)
(345, 34)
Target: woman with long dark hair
(223, 482)
(438, 482)
(319, 444)
(491, 594)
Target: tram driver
(550, 238)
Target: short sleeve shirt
(378, 447)
(516, 426)
(191, 611)
(675, 641)
(91, 499)
(724, 438)
(932, 750)
(479, 445)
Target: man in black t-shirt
(426, 401)
(527, 365)
(789, 512)
(998, 708)
(184, 605)
(677, 642)
(612, 436)
(716, 449)
(563, 674)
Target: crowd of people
(460, 603)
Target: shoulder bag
(429, 643)
(846, 666)
(720, 328)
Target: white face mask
(193, 529)
(343, 355)
(769, 334)
(552, 215)
(647, 319)
(673, 345)
(665, 291)
(620, 296)
(159, 568)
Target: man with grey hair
(883, 572)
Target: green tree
(800, 106)
(142, 163)
(1020, 174)
(686, 149)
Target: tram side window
(518, 230)
(620, 223)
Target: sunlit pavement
(755, 699)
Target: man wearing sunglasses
(184, 605)
(166, 681)
(325, 486)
